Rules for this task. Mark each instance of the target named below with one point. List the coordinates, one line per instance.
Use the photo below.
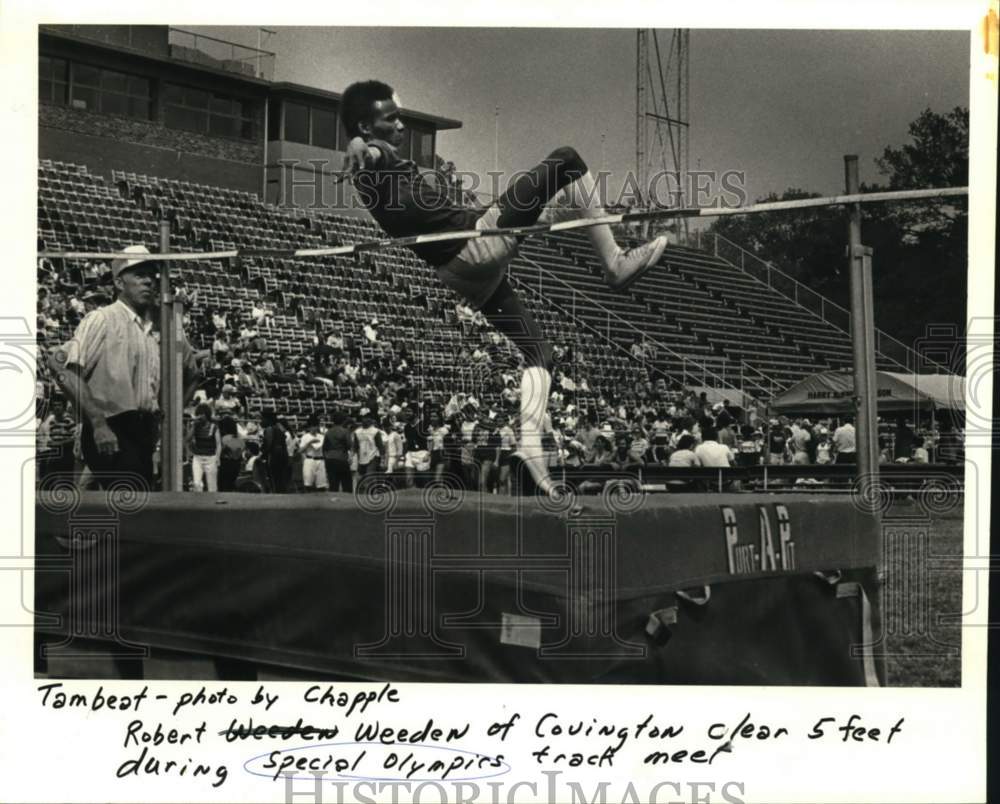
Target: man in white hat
(110, 371)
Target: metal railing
(221, 54)
(579, 322)
(768, 386)
(819, 305)
(925, 484)
(691, 368)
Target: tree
(808, 244)
(922, 259)
(920, 248)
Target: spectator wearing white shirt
(824, 448)
(394, 450)
(799, 442)
(921, 453)
(844, 442)
(639, 447)
(660, 432)
(260, 314)
(220, 346)
(247, 334)
(710, 452)
(435, 443)
(311, 447)
(683, 457)
(368, 444)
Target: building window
(324, 128)
(274, 121)
(53, 79)
(110, 92)
(310, 125)
(296, 122)
(207, 113)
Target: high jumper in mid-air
(404, 204)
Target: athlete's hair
(357, 104)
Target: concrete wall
(298, 176)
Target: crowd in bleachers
(389, 428)
(292, 349)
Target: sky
(782, 106)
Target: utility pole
(862, 339)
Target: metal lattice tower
(662, 74)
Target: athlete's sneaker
(629, 265)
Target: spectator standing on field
(336, 454)
(368, 445)
(844, 442)
(311, 446)
(274, 452)
(110, 372)
(205, 446)
(231, 456)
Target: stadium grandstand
(203, 160)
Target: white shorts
(801, 457)
(477, 271)
(418, 460)
(480, 266)
(314, 473)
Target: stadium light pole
(862, 335)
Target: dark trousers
(57, 460)
(229, 470)
(338, 474)
(470, 476)
(132, 464)
(279, 473)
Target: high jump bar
(526, 231)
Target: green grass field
(922, 600)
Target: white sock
(535, 384)
(583, 197)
